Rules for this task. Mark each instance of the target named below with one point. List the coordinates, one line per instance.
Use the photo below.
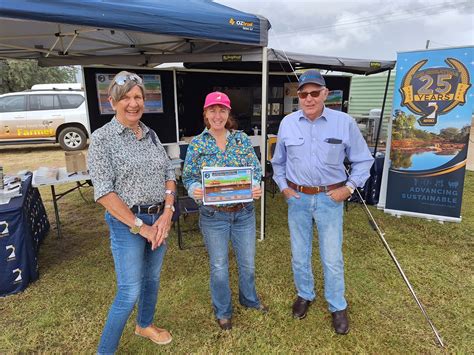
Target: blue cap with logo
(311, 76)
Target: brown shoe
(300, 307)
(225, 324)
(155, 334)
(340, 322)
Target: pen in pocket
(333, 141)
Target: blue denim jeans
(328, 216)
(218, 228)
(138, 269)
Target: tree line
(19, 75)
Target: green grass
(65, 310)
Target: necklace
(136, 131)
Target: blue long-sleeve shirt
(312, 153)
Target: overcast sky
(368, 29)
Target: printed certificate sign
(431, 118)
(227, 185)
(153, 96)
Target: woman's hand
(256, 192)
(198, 193)
(149, 233)
(162, 227)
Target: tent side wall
(244, 91)
(163, 123)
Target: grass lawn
(65, 310)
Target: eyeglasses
(122, 79)
(303, 95)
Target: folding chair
(186, 208)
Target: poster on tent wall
(431, 118)
(153, 96)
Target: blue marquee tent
(141, 33)
(123, 32)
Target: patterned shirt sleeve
(192, 166)
(100, 168)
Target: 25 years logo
(434, 91)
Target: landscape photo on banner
(431, 118)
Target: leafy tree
(449, 133)
(18, 75)
(400, 159)
(404, 124)
(426, 136)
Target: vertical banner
(431, 118)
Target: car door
(13, 117)
(44, 115)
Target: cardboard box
(75, 162)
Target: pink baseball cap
(217, 98)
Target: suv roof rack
(58, 87)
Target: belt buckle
(150, 207)
(299, 188)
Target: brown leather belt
(312, 190)
(234, 208)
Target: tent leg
(379, 128)
(263, 140)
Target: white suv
(46, 113)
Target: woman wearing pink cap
(221, 145)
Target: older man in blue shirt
(308, 166)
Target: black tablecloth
(23, 225)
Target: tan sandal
(155, 334)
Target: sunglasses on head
(122, 79)
(303, 94)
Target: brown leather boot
(340, 322)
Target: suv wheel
(72, 138)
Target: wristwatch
(171, 207)
(137, 225)
(350, 188)
(170, 192)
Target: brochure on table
(56, 176)
(11, 188)
(227, 185)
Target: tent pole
(379, 128)
(263, 140)
(176, 113)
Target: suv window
(44, 102)
(70, 101)
(13, 103)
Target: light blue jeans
(328, 216)
(218, 228)
(138, 269)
